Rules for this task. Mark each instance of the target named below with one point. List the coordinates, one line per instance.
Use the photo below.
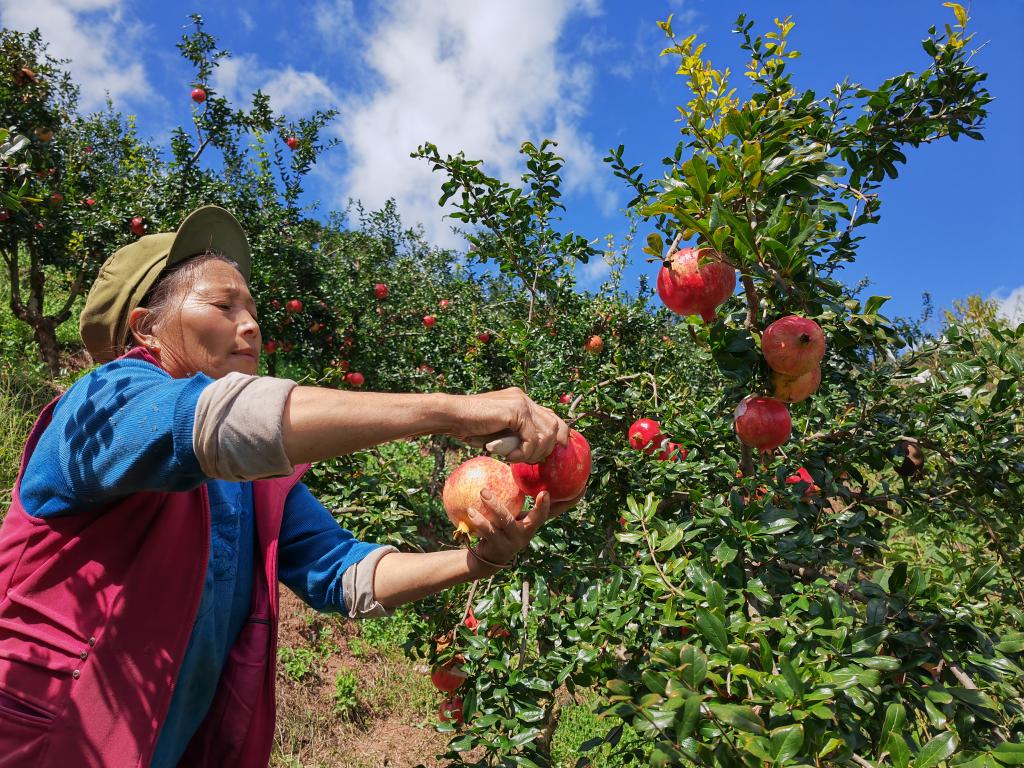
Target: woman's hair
(167, 295)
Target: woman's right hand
(490, 415)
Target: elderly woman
(159, 503)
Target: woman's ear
(136, 323)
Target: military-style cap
(131, 271)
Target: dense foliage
(713, 612)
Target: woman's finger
(498, 513)
(482, 525)
(537, 515)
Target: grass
(579, 724)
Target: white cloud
(292, 93)
(335, 21)
(478, 77)
(99, 39)
(1011, 307)
(246, 18)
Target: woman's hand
(479, 418)
(501, 534)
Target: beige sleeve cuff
(357, 586)
(237, 433)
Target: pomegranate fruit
(794, 389)
(293, 306)
(450, 710)
(645, 434)
(688, 287)
(793, 345)
(594, 345)
(803, 476)
(672, 452)
(762, 422)
(429, 321)
(354, 379)
(198, 95)
(565, 399)
(563, 474)
(380, 291)
(483, 337)
(448, 678)
(462, 490)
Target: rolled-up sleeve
(324, 564)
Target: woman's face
(215, 331)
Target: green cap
(131, 271)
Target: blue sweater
(131, 431)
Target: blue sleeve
(123, 428)
(314, 551)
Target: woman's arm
(320, 423)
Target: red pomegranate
(794, 389)
(594, 345)
(645, 434)
(672, 452)
(354, 379)
(429, 321)
(448, 678)
(803, 476)
(462, 490)
(762, 422)
(563, 474)
(450, 710)
(793, 345)
(689, 287)
(380, 291)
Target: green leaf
(690, 716)
(713, 630)
(786, 743)
(694, 667)
(936, 750)
(1012, 642)
(742, 718)
(892, 724)
(1009, 753)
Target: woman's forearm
(403, 577)
(321, 423)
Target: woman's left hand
(501, 534)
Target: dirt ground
(393, 723)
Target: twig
(661, 571)
(525, 613)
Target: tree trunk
(439, 447)
(45, 333)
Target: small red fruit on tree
(90, 202)
(137, 226)
(56, 198)
(198, 95)
(793, 345)
(448, 678)
(696, 282)
(275, 304)
(292, 142)
(270, 346)
(483, 337)
(762, 422)
(450, 710)
(293, 305)
(594, 345)
(444, 304)
(380, 291)
(462, 490)
(672, 452)
(471, 621)
(429, 321)
(563, 474)
(343, 365)
(803, 476)
(565, 399)
(354, 379)
(645, 434)
(794, 389)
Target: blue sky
(483, 76)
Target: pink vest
(96, 610)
